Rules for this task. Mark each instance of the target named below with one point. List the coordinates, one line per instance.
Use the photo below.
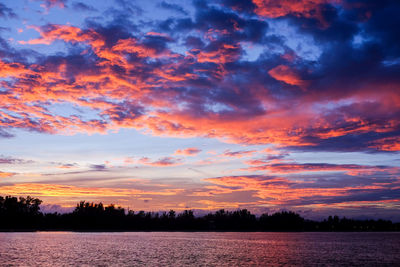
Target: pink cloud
(121, 100)
(162, 162)
(287, 75)
(238, 154)
(303, 8)
(292, 167)
(192, 151)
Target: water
(199, 249)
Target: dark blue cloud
(79, 6)
(6, 12)
(240, 5)
(174, 7)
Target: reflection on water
(198, 249)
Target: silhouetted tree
(22, 213)
(282, 221)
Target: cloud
(305, 8)
(6, 12)
(65, 165)
(98, 167)
(79, 6)
(55, 190)
(6, 174)
(162, 162)
(238, 154)
(281, 168)
(285, 74)
(173, 7)
(10, 160)
(47, 4)
(191, 151)
(386, 144)
(279, 191)
(134, 79)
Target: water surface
(199, 249)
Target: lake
(199, 249)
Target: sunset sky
(156, 105)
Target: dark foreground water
(199, 249)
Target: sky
(156, 105)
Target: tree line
(23, 214)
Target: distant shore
(24, 215)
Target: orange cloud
(386, 144)
(226, 53)
(12, 69)
(123, 100)
(56, 32)
(6, 174)
(287, 75)
(299, 8)
(55, 190)
(279, 191)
